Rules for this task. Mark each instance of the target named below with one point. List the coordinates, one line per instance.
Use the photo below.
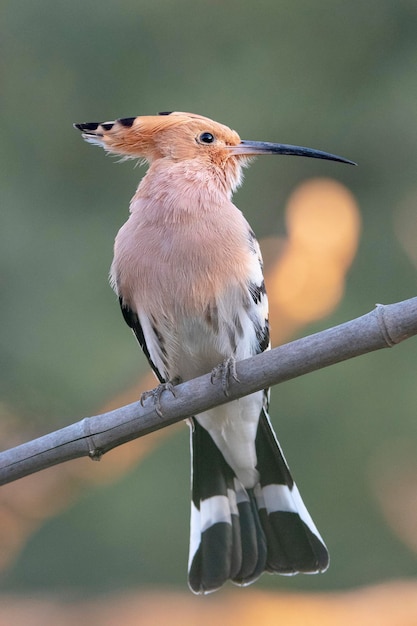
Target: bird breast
(180, 266)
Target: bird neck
(185, 188)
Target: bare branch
(383, 327)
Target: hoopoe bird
(187, 270)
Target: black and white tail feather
(238, 533)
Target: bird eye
(206, 138)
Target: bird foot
(156, 394)
(225, 371)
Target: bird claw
(225, 371)
(156, 394)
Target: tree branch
(383, 327)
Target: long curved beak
(255, 148)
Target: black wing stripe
(132, 320)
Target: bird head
(185, 136)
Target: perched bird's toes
(156, 394)
(225, 371)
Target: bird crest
(175, 136)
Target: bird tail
(238, 533)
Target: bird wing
(132, 320)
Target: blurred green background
(334, 75)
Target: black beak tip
(349, 162)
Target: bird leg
(225, 371)
(156, 394)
